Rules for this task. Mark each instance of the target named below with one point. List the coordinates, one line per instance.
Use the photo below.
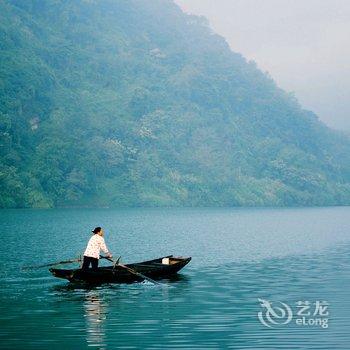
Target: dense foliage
(132, 102)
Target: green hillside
(134, 103)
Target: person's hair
(96, 230)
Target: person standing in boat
(92, 251)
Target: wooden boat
(155, 269)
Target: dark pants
(89, 260)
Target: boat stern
(61, 273)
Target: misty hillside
(132, 102)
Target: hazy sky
(303, 44)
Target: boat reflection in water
(95, 313)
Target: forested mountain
(134, 103)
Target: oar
(51, 264)
(131, 270)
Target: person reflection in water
(92, 251)
(95, 315)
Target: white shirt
(96, 243)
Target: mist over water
(239, 256)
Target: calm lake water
(239, 256)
